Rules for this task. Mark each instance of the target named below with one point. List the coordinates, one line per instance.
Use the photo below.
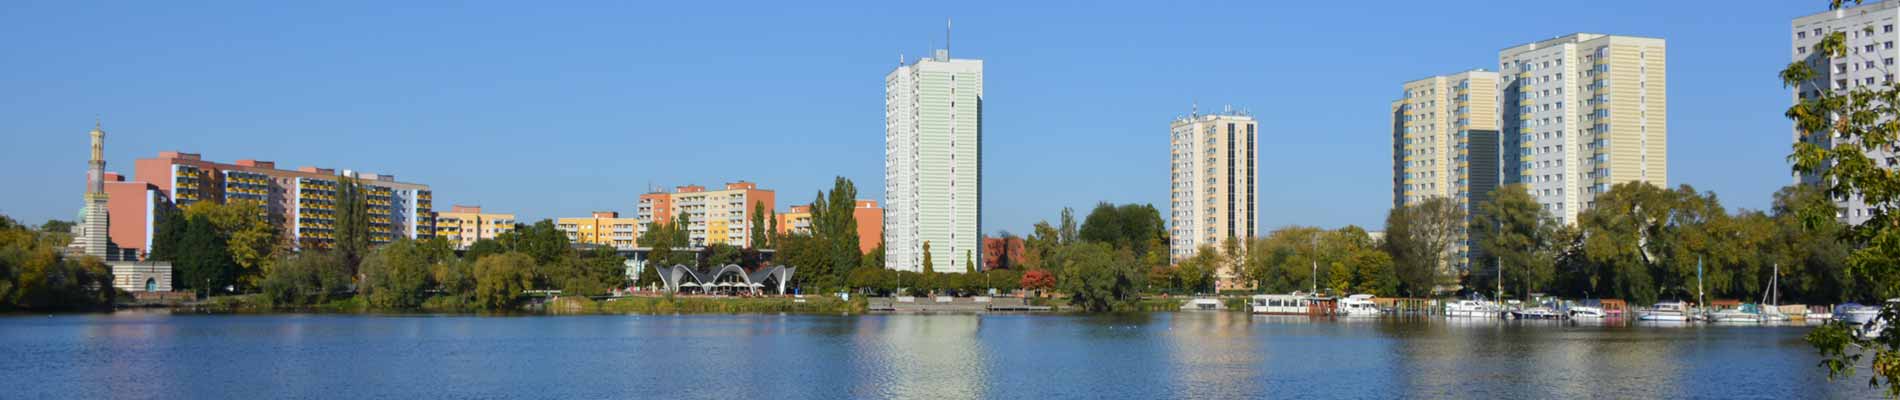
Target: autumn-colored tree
(1038, 280)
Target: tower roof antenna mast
(946, 34)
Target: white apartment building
(1870, 35)
(933, 164)
(1581, 113)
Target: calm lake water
(1152, 356)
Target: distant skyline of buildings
(933, 183)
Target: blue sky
(559, 109)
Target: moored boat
(1358, 305)
(1473, 309)
(1587, 312)
(1674, 311)
(1280, 304)
(1536, 313)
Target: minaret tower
(91, 238)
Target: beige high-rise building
(1211, 197)
(1581, 113)
(1445, 143)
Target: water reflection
(1143, 356)
(1213, 355)
(920, 357)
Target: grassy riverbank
(563, 305)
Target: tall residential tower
(1445, 143)
(933, 162)
(1211, 198)
(1581, 113)
(1870, 35)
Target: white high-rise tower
(933, 163)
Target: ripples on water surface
(1151, 356)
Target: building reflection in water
(1214, 355)
(919, 357)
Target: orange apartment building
(870, 219)
(713, 216)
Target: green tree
(36, 274)
(1195, 274)
(1098, 278)
(771, 237)
(541, 240)
(352, 222)
(169, 227)
(396, 275)
(1420, 237)
(758, 225)
(483, 248)
(929, 266)
(1811, 251)
(56, 226)
(1130, 226)
(500, 279)
(592, 273)
(202, 263)
(1516, 232)
(310, 277)
(874, 258)
(969, 262)
(1373, 273)
(454, 278)
(250, 237)
(722, 255)
(1067, 232)
(1623, 238)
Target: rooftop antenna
(1196, 109)
(946, 33)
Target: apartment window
(1870, 48)
(1801, 50)
(1887, 45)
(1888, 61)
(1886, 28)
(1804, 34)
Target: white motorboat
(1878, 325)
(1674, 311)
(1358, 305)
(1535, 313)
(1585, 312)
(1280, 304)
(1473, 309)
(1856, 314)
(1735, 316)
